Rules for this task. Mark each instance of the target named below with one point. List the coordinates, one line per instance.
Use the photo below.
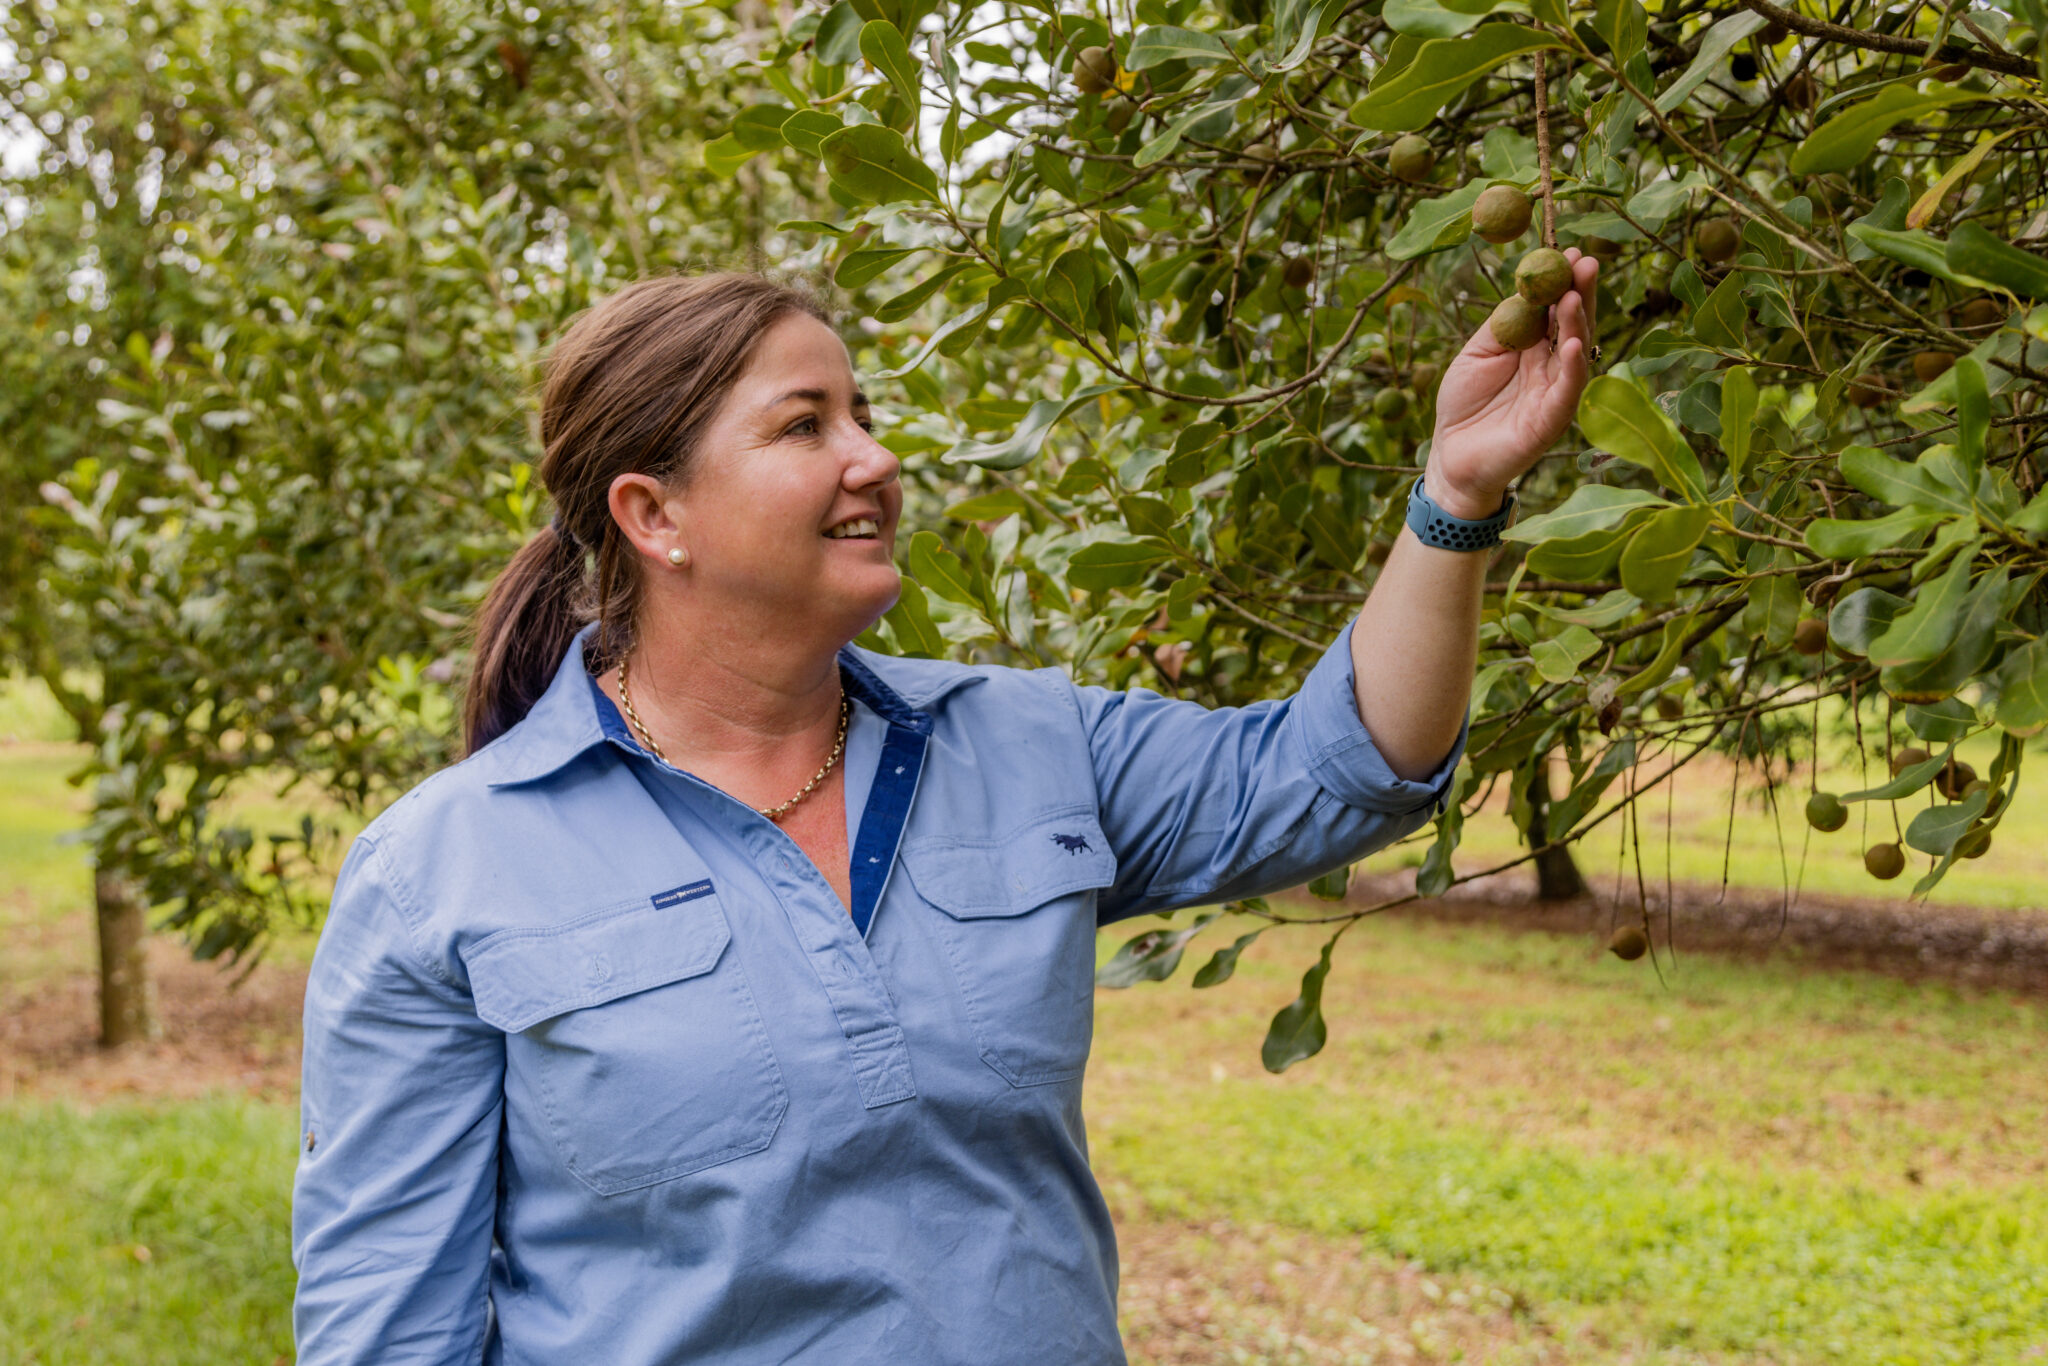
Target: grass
(1753, 1163)
(137, 1234)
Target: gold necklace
(771, 812)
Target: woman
(729, 1002)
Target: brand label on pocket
(676, 896)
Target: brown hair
(629, 388)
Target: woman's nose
(871, 462)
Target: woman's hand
(1498, 410)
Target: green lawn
(1753, 1163)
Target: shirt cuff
(1339, 750)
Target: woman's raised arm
(1416, 641)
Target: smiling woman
(730, 1001)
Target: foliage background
(1162, 359)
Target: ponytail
(534, 610)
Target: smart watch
(1433, 526)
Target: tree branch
(2003, 62)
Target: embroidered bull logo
(1073, 844)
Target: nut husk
(1953, 779)
(1501, 214)
(1718, 240)
(1810, 636)
(1544, 276)
(1094, 70)
(1390, 404)
(1884, 861)
(1867, 390)
(1518, 324)
(1904, 759)
(1980, 312)
(1411, 158)
(1975, 843)
(1628, 943)
(1298, 273)
(1825, 812)
(1929, 366)
(1605, 250)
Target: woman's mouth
(859, 529)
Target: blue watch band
(1433, 526)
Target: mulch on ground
(1966, 945)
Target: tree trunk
(127, 1003)
(1557, 877)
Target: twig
(2004, 62)
(1543, 155)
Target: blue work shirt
(599, 1071)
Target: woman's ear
(648, 512)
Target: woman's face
(790, 511)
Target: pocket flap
(521, 977)
(1050, 855)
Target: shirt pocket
(638, 1033)
(1017, 920)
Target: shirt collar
(565, 723)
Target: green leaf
(988, 507)
(1862, 616)
(1440, 18)
(1973, 414)
(2023, 689)
(1558, 658)
(1928, 627)
(1973, 251)
(1166, 43)
(910, 621)
(1666, 659)
(1656, 558)
(1023, 445)
(912, 299)
(1435, 224)
(881, 42)
(1298, 1030)
(1721, 319)
(1220, 968)
(941, 571)
(758, 127)
(838, 37)
(1908, 781)
(1405, 100)
(1916, 249)
(1581, 559)
(1617, 415)
(1936, 830)
(972, 318)
(1957, 664)
(872, 163)
(1738, 418)
(860, 266)
(1590, 508)
(1162, 146)
(724, 155)
(1435, 875)
(1330, 886)
(1843, 538)
(1898, 483)
(1849, 137)
(1069, 285)
(1115, 563)
(1715, 45)
(1609, 608)
(807, 129)
(1296, 30)
(1151, 956)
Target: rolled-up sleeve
(1204, 805)
(395, 1195)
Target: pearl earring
(678, 556)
